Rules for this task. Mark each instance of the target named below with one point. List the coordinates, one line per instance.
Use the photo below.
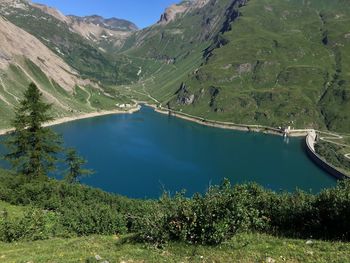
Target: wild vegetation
(269, 62)
(73, 210)
(272, 65)
(41, 208)
(334, 154)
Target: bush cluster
(62, 209)
(209, 219)
(69, 209)
(34, 225)
(223, 211)
(333, 154)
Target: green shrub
(34, 225)
(333, 212)
(92, 219)
(75, 210)
(81, 210)
(209, 219)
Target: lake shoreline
(184, 116)
(230, 126)
(81, 117)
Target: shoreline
(184, 116)
(81, 117)
(230, 126)
(309, 134)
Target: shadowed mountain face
(272, 62)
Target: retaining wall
(320, 162)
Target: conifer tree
(75, 171)
(33, 148)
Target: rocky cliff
(185, 6)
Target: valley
(220, 60)
(178, 123)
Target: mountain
(270, 62)
(267, 62)
(82, 46)
(107, 23)
(26, 57)
(172, 12)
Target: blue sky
(142, 12)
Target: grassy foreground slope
(242, 248)
(272, 62)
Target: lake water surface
(139, 155)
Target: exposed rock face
(20, 4)
(94, 28)
(52, 11)
(171, 13)
(16, 43)
(109, 23)
(183, 95)
(244, 68)
(97, 33)
(174, 10)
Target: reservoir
(141, 155)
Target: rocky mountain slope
(24, 59)
(271, 62)
(81, 45)
(107, 23)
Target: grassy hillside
(269, 62)
(15, 80)
(52, 221)
(242, 248)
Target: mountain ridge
(112, 23)
(198, 58)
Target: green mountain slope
(269, 62)
(266, 62)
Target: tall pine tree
(32, 147)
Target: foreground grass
(242, 248)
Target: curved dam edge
(310, 149)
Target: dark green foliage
(92, 219)
(80, 210)
(224, 211)
(333, 154)
(34, 225)
(209, 219)
(75, 171)
(32, 147)
(63, 209)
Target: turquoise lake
(142, 154)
